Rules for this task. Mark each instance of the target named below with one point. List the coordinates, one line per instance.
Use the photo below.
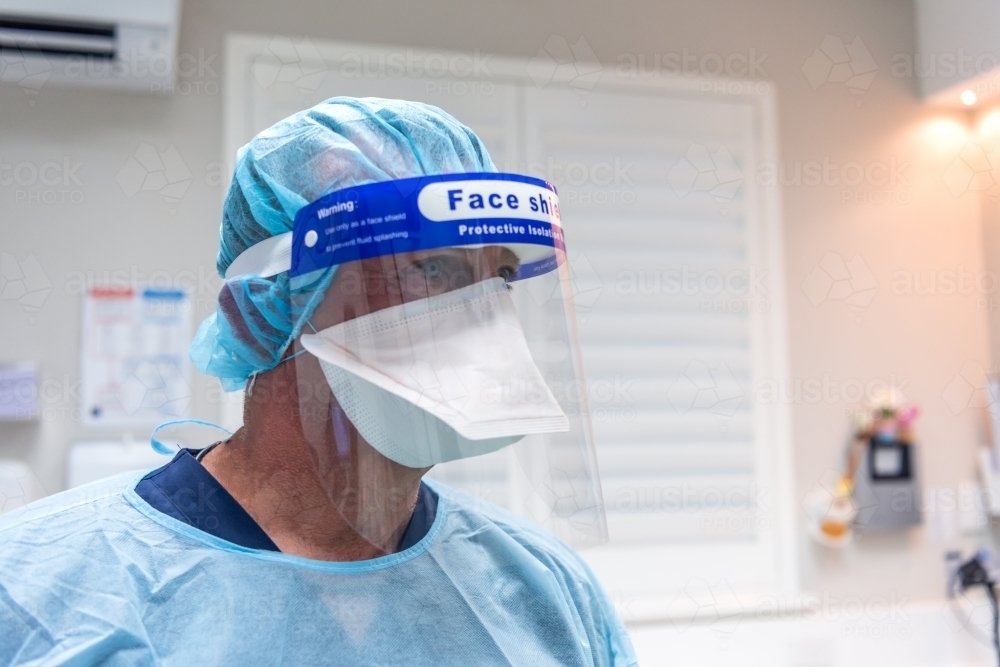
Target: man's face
(370, 285)
(364, 287)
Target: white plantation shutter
(659, 218)
(675, 255)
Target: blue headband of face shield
(411, 214)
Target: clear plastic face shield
(442, 329)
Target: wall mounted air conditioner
(114, 44)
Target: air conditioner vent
(99, 44)
(47, 37)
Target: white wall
(922, 341)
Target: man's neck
(276, 480)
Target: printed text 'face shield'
(441, 333)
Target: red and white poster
(134, 362)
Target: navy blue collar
(185, 490)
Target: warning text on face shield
(339, 207)
(509, 229)
(454, 201)
(475, 203)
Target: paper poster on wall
(134, 357)
(18, 391)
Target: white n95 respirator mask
(438, 379)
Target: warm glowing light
(968, 98)
(947, 132)
(944, 136)
(988, 127)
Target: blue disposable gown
(97, 576)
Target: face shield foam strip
(411, 214)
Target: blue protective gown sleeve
(96, 575)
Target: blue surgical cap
(340, 143)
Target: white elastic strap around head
(265, 259)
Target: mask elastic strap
(253, 376)
(164, 449)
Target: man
(391, 303)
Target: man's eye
(432, 268)
(438, 268)
(441, 273)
